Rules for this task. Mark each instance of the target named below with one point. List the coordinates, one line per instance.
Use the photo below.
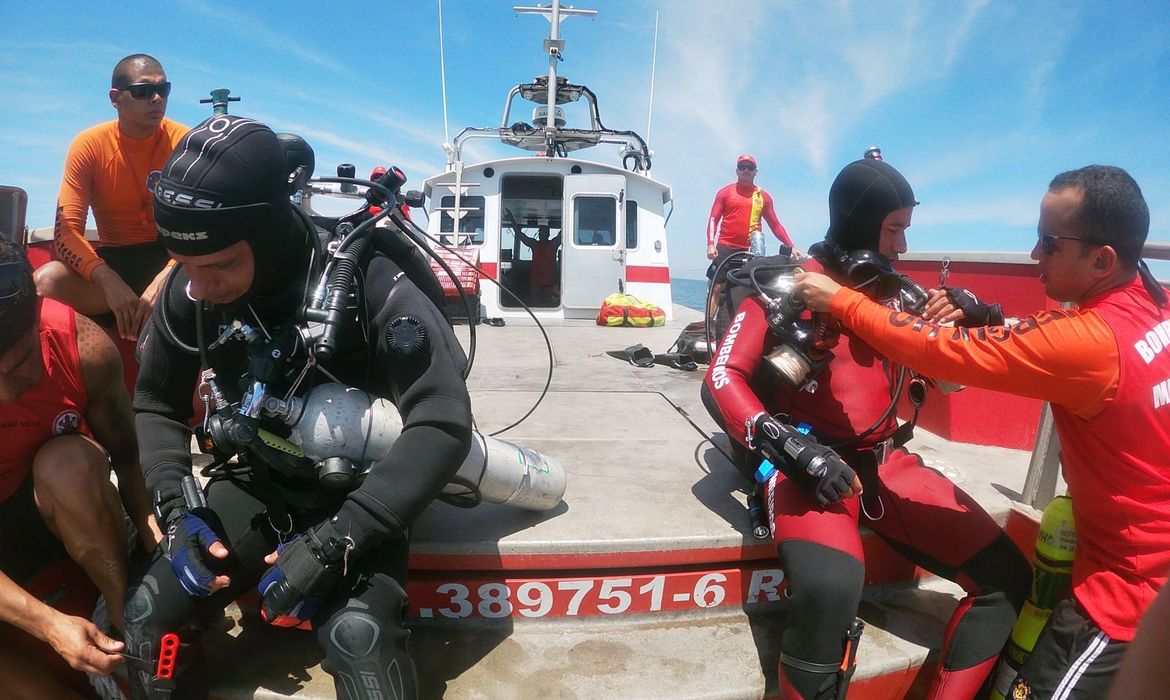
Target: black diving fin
(678, 360)
(637, 355)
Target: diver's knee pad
(365, 644)
(149, 615)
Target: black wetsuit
(360, 625)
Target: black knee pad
(354, 634)
(1001, 566)
(824, 587)
(152, 609)
(365, 643)
(1004, 578)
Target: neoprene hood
(861, 197)
(227, 181)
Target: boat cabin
(602, 230)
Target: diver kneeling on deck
(328, 544)
(776, 359)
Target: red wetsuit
(55, 406)
(737, 212)
(917, 510)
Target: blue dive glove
(186, 534)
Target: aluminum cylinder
(512, 475)
(338, 421)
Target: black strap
(802, 665)
(265, 490)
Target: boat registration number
(594, 596)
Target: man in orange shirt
(736, 214)
(112, 168)
(1105, 368)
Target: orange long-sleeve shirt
(1105, 368)
(114, 175)
(1066, 357)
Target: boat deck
(645, 581)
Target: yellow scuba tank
(1056, 543)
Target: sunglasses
(745, 167)
(14, 279)
(146, 91)
(1048, 242)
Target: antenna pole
(443, 78)
(653, 66)
(554, 45)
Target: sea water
(689, 293)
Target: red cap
(745, 158)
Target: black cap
(225, 182)
(861, 197)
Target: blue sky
(978, 102)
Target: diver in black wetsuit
(326, 546)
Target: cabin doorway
(531, 240)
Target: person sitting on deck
(1103, 367)
(850, 406)
(64, 418)
(112, 168)
(323, 543)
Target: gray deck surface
(643, 476)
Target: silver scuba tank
(507, 473)
(335, 422)
(338, 421)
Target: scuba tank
(345, 430)
(1056, 544)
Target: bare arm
(112, 422)
(78, 641)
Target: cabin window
(631, 224)
(596, 221)
(472, 221)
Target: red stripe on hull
(648, 273)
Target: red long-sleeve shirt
(737, 212)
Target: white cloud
(254, 30)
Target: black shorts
(1073, 659)
(724, 252)
(26, 544)
(137, 265)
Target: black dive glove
(308, 567)
(975, 313)
(802, 458)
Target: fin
(678, 360)
(637, 355)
